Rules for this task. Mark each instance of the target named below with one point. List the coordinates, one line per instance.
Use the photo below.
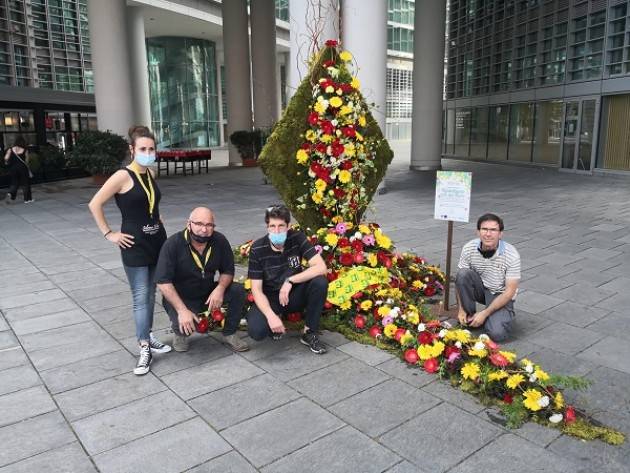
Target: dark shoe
(235, 343)
(311, 339)
(180, 342)
(144, 362)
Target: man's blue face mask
(278, 239)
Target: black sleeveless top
(147, 230)
(17, 161)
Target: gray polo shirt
(504, 264)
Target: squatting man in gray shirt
(489, 271)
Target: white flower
(326, 247)
(543, 401)
(479, 346)
(458, 344)
(334, 122)
(483, 337)
(358, 236)
(421, 327)
(555, 418)
(532, 378)
(378, 303)
(443, 333)
(529, 368)
(390, 301)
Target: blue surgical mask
(278, 239)
(144, 159)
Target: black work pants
(20, 178)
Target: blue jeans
(142, 282)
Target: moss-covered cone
(278, 157)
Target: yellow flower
(478, 353)
(332, 239)
(366, 305)
(345, 110)
(349, 150)
(384, 310)
(247, 284)
(382, 240)
(558, 400)
(345, 305)
(320, 185)
(364, 229)
(359, 136)
(355, 83)
(330, 89)
(497, 375)
(514, 380)
(470, 371)
(317, 198)
(320, 107)
(344, 176)
(345, 56)
(301, 156)
(406, 338)
(326, 138)
(335, 102)
(438, 348)
(310, 135)
(413, 318)
(362, 120)
(458, 335)
(390, 330)
(532, 397)
(417, 284)
(541, 375)
(509, 355)
(425, 352)
(372, 260)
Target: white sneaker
(144, 362)
(157, 346)
(29, 201)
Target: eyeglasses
(207, 226)
(489, 230)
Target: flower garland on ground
(376, 294)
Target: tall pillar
(264, 74)
(313, 22)
(364, 34)
(218, 58)
(428, 79)
(139, 66)
(110, 63)
(237, 70)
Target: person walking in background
(16, 159)
(141, 235)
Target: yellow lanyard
(195, 256)
(150, 192)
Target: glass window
(450, 131)
(462, 131)
(521, 132)
(498, 119)
(479, 133)
(548, 132)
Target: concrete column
(218, 61)
(428, 79)
(313, 22)
(364, 34)
(237, 71)
(139, 66)
(110, 63)
(264, 75)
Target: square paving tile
(76, 335)
(216, 374)
(233, 404)
(276, 433)
(409, 374)
(231, 462)
(443, 390)
(585, 294)
(110, 429)
(574, 314)
(19, 377)
(425, 442)
(564, 338)
(202, 350)
(166, 451)
(48, 322)
(62, 355)
(559, 363)
(590, 457)
(366, 353)
(39, 309)
(512, 454)
(535, 302)
(346, 450)
(11, 357)
(7, 340)
(379, 409)
(20, 405)
(544, 284)
(290, 364)
(611, 352)
(67, 459)
(336, 382)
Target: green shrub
(249, 143)
(99, 152)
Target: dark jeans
(234, 298)
(309, 297)
(471, 290)
(20, 178)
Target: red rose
(294, 317)
(329, 63)
(569, 415)
(313, 117)
(325, 212)
(346, 259)
(359, 322)
(497, 359)
(451, 353)
(346, 88)
(336, 149)
(394, 282)
(418, 260)
(357, 295)
(328, 305)
(357, 245)
(349, 131)
(507, 398)
(425, 338)
(491, 345)
(250, 297)
(202, 326)
(434, 324)
(429, 291)
(399, 333)
(375, 331)
(339, 193)
(217, 315)
(306, 146)
(320, 148)
(347, 165)
(332, 276)
(343, 242)
(331, 43)
(431, 365)
(359, 258)
(411, 356)
(327, 127)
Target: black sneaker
(144, 362)
(311, 339)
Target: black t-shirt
(273, 267)
(177, 266)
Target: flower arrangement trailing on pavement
(329, 141)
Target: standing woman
(141, 236)
(16, 159)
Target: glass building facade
(539, 81)
(184, 94)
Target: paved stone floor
(69, 402)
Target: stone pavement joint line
(69, 400)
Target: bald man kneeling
(185, 275)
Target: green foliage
(278, 156)
(99, 152)
(515, 413)
(568, 382)
(583, 429)
(249, 143)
